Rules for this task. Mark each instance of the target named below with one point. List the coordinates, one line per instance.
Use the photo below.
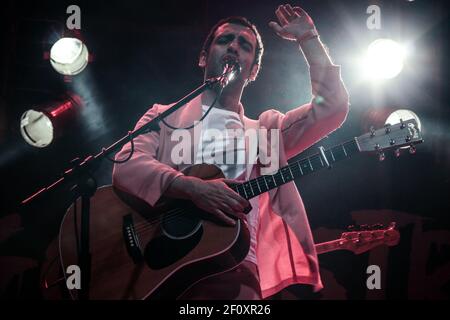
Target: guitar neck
(342, 244)
(318, 161)
(325, 247)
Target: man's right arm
(143, 175)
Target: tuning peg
(377, 226)
(381, 155)
(397, 152)
(351, 228)
(388, 128)
(412, 149)
(402, 124)
(355, 227)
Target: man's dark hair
(240, 21)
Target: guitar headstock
(401, 135)
(364, 238)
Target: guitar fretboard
(257, 186)
(328, 246)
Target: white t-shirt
(222, 143)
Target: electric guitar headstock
(363, 238)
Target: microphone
(231, 70)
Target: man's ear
(202, 59)
(253, 72)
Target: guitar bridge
(131, 239)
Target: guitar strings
(172, 214)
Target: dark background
(146, 52)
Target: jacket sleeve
(143, 175)
(305, 125)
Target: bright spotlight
(403, 115)
(69, 56)
(384, 59)
(39, 126)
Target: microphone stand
(84, 185)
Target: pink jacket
(285, 250)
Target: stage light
(39, 126)
(69, 56)
(384, 59)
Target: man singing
(282, 250)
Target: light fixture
(40, 125)
(69, 56)
(384, 59)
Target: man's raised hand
(293, 22)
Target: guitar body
(143, 252)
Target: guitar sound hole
(180, 225)
(163, 251)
